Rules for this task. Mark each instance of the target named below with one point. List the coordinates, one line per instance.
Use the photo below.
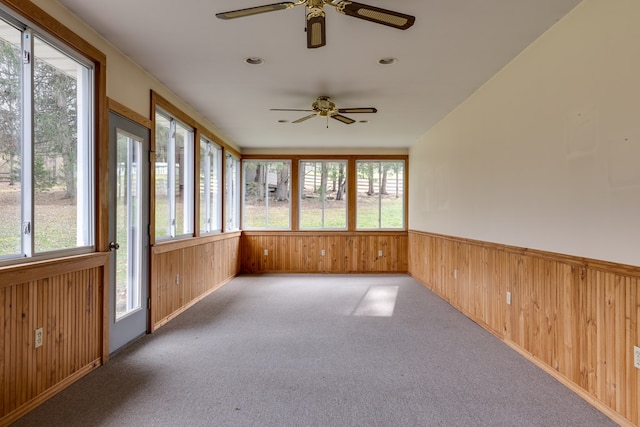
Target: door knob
(114, 246)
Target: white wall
(546, 155)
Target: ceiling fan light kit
(316, 20)
(324, 107)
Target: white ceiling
(453, 48)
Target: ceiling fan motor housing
(324, 106)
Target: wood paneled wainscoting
(324, 252)
(185, 271)
(576, 318)
(66, 298)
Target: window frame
(351, 188)
(232, 192)
(267, 163)
(301, 181)
(188, 190)
(37, 32)
(212, 207)
(380, 206)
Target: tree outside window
(323, 201)
(267, 194)
(380, 194)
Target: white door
(128, 230)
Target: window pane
(183, 182)
(210, 195)
(232, 193)
(174, 178)
(380, 196)
(392, 195)
(267, 194)
(62, 147)
(10, 141)
(323, 201)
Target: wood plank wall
(65, 299)
(184, 272)
(344, 252)
(577, 318)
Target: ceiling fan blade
(375, 14)
(285, 109)
(300, 120)
(240, 13)
(316, 35)
(343, 119)
(357, 110)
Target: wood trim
(576, 317)
(159, 100)
(56, 29)
(188, 305)
(128, 113)
(172, 245)
(323, 233)
(184, 273)
(606, 266)
(622, 421)
(49, 393)
(47, 23)
(28, 272)
(336, 157)
(324, 252)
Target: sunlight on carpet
(379, 301)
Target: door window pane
(128, 225)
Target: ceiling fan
(316, 17)
(324, 107)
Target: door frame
(122, 118)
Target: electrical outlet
(636, 356)
(177, 279)
(380, 253)
(322, 252)
(266, 252)
(38, 338)
(455, 274)
(508, 298)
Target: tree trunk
(341, 182)
(383, 181)
(282, 188)
(323, 181)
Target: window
(323, 201)
(232, 193)
(210, 182)
(174, 202)
(46, 145)
(380, 194)
(267, 201)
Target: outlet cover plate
(38, 338)
(636, 356)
